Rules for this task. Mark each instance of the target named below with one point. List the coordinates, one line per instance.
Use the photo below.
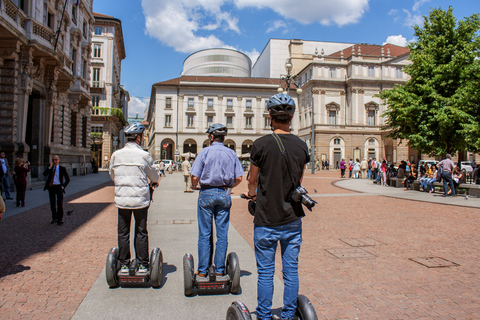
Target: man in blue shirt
(217, 169)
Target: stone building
(342, 87)
(44, 82)
(109, 99)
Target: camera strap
(284, 154)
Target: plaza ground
(368, 252)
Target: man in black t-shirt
(277, 217)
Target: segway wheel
(188, 274)
(305, 309)
(156, 270)
(233, 270)
(238, 311)
(111, 268)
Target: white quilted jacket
(129, 169)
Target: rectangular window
(97, 50)
(371, 71)
(168, 120)
(85, 29)
(399, 73)
(248, 122)
(190, 103)
(73, 126)
(98, 31)
(84, 131)
(96, 78)
(190, 119)
(267, 122)
(336, 141)
(168, 103)
(210, 104)
(209, 121)
(85, 69)
(95, 101)
(371, 117)
(229, 104)
(249, 105)
(74, 14)
(333, 72)
(229, 122)
(74, 64)
(45, 14)
(332, 117)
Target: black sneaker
(54, 221)
(60, 223)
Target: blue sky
(160, 34)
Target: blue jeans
(447, 179)
(266, 240)
(6, 186)
(215, 204)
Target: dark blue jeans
(266, 240)
(448, 180)
(213, 203)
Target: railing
(43, 32)
(98, 84)
(113, 112)
(15, 13)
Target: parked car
(466, 165)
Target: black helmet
(217, 129)
(281, 105)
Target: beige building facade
(44, 82)
(109, 99)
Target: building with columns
(44, 82)
(109, 99)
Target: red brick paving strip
(386, 285)
(47, 270)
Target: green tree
(438, 109)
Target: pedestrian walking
(216, 169)
(186, 175)
(5, 183)
(342, 168)
(22, 168)
(277, 218)
(130, 169)
(57, 181)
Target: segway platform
(211, 285)
(115, 277)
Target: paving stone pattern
(46, 270)
(385, 284)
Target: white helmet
(134, 129)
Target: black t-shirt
(274, 207)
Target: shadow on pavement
(30, 233)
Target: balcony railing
(109, 112)
(98, 84)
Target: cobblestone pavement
(358, 252)
(363, 257)
(46, 270)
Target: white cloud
(418, 3)
(275, 25)
(397, 40)
(412, 20)
(175, 23)
(339, 12)
(137, 106)
(393, 12)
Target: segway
(304, 311)
(212, 285)
(115, 277)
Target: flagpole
(57, 34)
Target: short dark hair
(219, 138)
(281, 119)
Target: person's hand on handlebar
(154, 184)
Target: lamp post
(288, 78)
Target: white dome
(217, 63)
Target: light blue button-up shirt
(217, 166)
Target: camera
(300, 194)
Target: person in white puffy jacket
(130, 169)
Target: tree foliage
(438, 109)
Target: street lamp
(289, 78)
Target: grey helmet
(217, 129)
(134, 129)
(281, 105)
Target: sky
(160, 34)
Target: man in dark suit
(57, 181)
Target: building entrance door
(33, 136)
